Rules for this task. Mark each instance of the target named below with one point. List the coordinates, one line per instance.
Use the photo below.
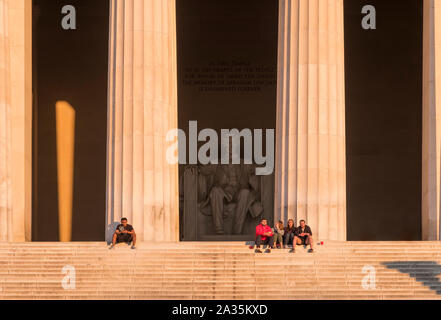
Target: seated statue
(228, 189)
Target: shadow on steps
(426, 272)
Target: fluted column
(310, 168)
(5, 127)
(142, 186)
(431, 162)
(15, 119)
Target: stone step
(220, 271)
(203, 250)
(216, 255)
(208, 286)
(242, 258)
(219, 290)
(322, 279)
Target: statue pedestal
(226, 237)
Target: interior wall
(227, 65)
(70, 65)
(384, 120)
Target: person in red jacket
(264, 235)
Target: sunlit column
(142, 186)
(310, 159)
(5, 127)
(15, 116)
(431, 162)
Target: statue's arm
(254, 182)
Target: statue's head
(232, 149)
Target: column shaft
(310, 160)
(15, 120)
(142, 186)
(5, 127)
(431, 162)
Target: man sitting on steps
(303, 236)
(124, 233)
(264, 235)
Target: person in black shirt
(124, 233)
(288, 237)
(303, 236)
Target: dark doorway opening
(227, 74)
(384, 120)
(70, 67)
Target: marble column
(431, 162)
(310, 159)
(142, 186)
(15, 120)
(5, 127)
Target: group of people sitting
(281, 236)
(277, 237)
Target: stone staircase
(215, 270)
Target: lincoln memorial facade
(85, 113)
